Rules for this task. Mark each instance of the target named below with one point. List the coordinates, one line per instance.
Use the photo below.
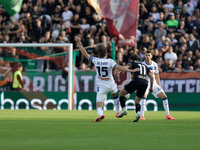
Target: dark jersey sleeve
(132, 65)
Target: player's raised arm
(82, 49)
(122, 68)
(151, 81)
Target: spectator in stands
(155, 14)
(189, 7)
(172, 23)
(182, 51)
(178, 66)
(40, 19)
(186, 63)
(180, 30)
(67, 16)
(160, 63)
(143, 13)
(189, 24)
(142, 53)
(56, 17)
(160, 32)
(28, 22)
(197, 65)
(156, 55)
(150, 29)
(184, 12)
(171, 55)
(35, 14)
(172, 39)
(167, 66)
(75, 25)
(84, 25)
(160, 20)
(179, 7)
(56, 32)
(192, 43)
(145, 42)
(138, 35)
(169, 6)
(24, 11)
(38, 31)
(50, 6)
(191, 68)
(166, 45)
(146, 22)
(162, 43)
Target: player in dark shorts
(139, 84)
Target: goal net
(41, 62)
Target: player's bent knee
(123, 92)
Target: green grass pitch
(74, 130)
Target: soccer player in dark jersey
(139, 84)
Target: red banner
(121, 16)
(180, 75)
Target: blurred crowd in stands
(170, 29)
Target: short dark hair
(148, 51)
(102, 51)
(134, 57)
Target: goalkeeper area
(32, 56)
(74, 130)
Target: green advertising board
(85, 81)
(86, 100)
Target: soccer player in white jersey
(157, 90)
(105, 80)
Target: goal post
(70, 57)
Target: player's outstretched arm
(82, 49)
(122, 68)
(151, 82)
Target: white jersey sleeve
(93, 59)
(112, 63)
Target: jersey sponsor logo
(142, 77)
(105, 79)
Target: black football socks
(122, 101)
(137, 107)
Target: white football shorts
(156, 90)
(103, 90)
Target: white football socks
(166, 106)
(142, 104)
(99, 111)
(116, 103)
(124, 109)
